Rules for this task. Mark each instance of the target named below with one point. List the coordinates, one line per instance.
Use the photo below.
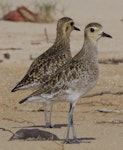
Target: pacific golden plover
(75, 78)
(46, 64)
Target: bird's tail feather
(23, 100)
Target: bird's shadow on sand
(81, 140)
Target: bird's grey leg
(70, 123)
(67, 140)
(73, 129)
(45, 115)
(51, 108)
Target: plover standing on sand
(46, 64)
(74, 79)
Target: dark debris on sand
(33, 134)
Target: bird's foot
(76, 140)
(48, 125)
(67, 141)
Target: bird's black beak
(75, 28)
(106, 35)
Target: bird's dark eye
(92, 29)
(72, 23)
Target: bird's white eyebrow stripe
(93, 28)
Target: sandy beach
(98, 119)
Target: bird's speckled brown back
(46, 64)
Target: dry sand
(96, 130)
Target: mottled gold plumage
(51, 60)
(48, 62)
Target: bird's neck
(88, 51)
(63, 41)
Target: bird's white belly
(76, 94)
(73, 95)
